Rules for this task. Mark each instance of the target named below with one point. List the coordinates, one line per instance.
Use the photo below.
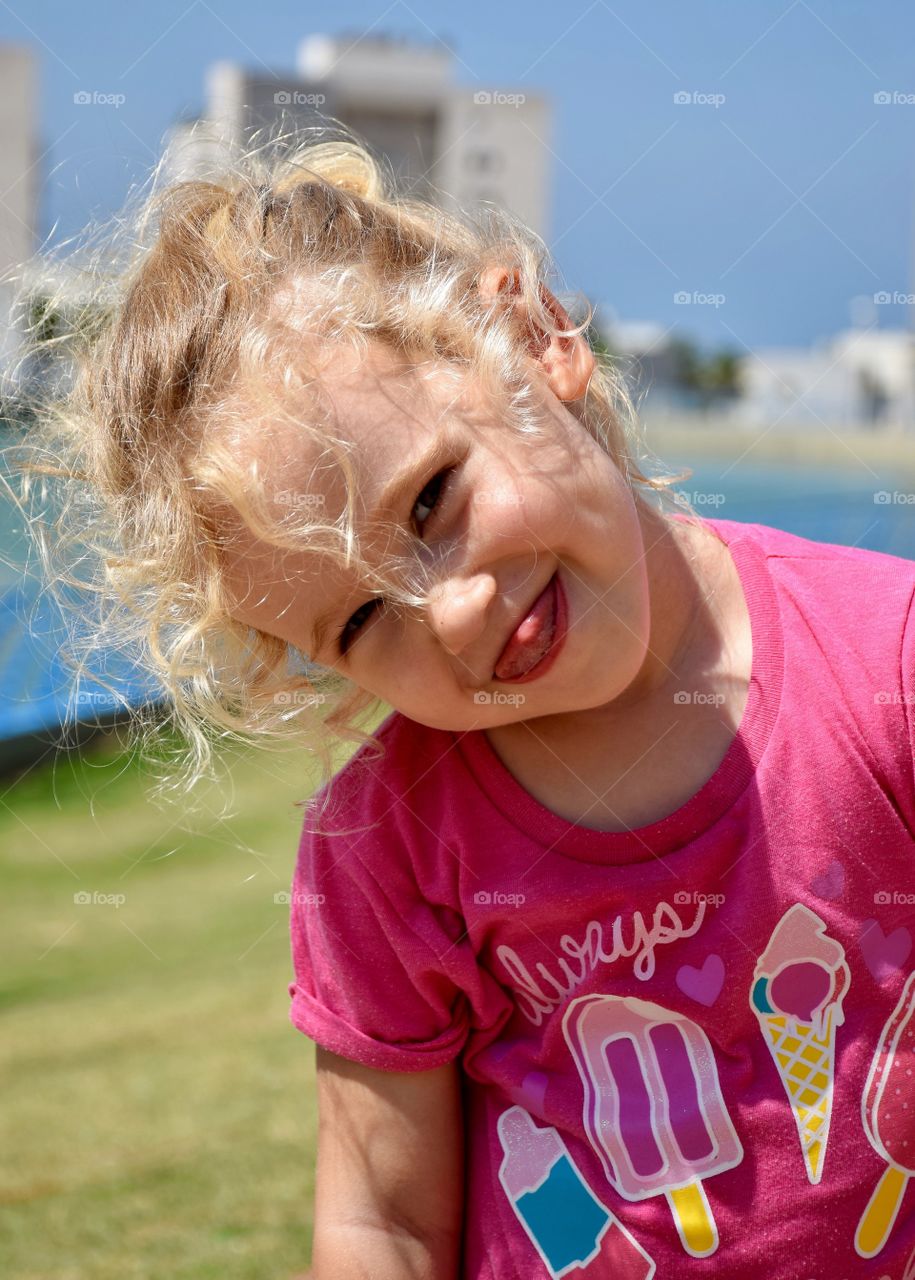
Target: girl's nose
(458, 613)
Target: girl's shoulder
(781, 544)
(823, 574)
(400, 756)
(851, 604)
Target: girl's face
(499, 515)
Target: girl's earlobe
(567, 362)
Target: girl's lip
(552, 608)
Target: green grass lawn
(158, 1115)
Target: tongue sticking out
(530, 641)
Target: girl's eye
(429, 499)
(352, 626)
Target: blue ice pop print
(565, 1221)
(563, 1217)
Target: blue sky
(790, 198)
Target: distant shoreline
(680, 442)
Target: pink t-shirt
(688, 1048)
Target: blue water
(835, 505)
(38, 693)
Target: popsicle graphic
(888, 1115)
(799, 983)
(653, 1108)
(567, 1224)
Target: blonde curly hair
(181, 345)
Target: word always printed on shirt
(666, 927)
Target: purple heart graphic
(830, 883)
(702, 984)
(884, 953)
(532, 1093)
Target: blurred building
(449, 142)
(860, 378)
(20, 177)
(645, 352)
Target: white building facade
(20, 177)
(459, 145)
(861, 378)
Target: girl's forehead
(378, 409)
(377, 418)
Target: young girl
(605, 936)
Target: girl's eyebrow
(405, 482)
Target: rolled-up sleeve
(374, 962)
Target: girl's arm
(390, 1172)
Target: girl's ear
(567, 362)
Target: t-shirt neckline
(722, 789)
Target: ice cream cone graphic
(798, 987)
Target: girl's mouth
(534, 645)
